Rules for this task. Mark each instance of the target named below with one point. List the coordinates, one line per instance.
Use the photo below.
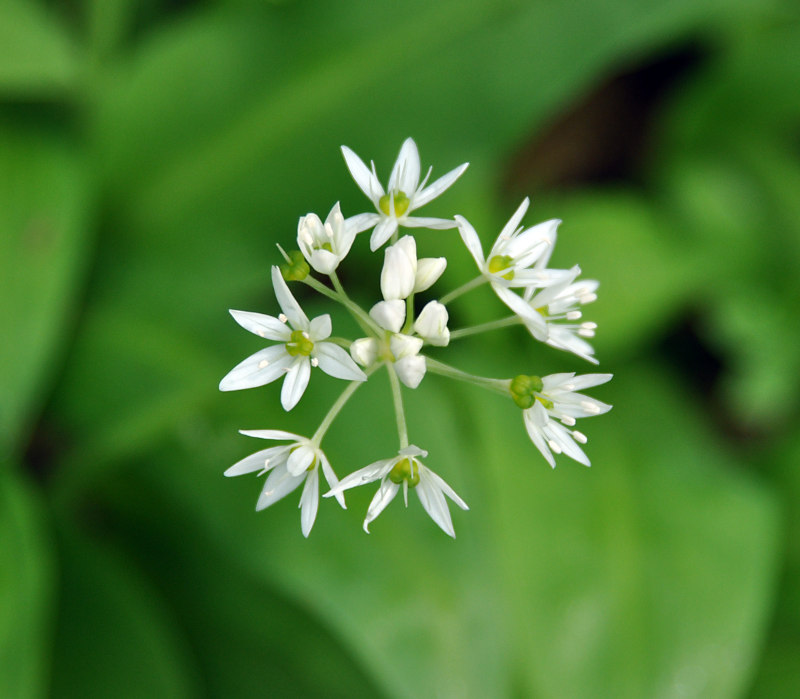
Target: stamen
(583, 332)
(573, 315)
(567, 420)
(314, 362)
(554, 446)
(283, 318)
(579, 437)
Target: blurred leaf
(650, 575)
(43, 235)
(26, 591)
(36, 54)
(114, 637)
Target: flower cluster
(544, 300)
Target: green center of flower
(405, 470)
(524, 389)
(299, 343)
(401, 202)
(500, 262)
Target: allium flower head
(408, 471)
(302, 346)
(288, 466)
(403, 194)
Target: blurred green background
(151, 155)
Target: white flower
(557, 401)
(302, 348)
(550, 314)
(325, 245)
(405, 468)
(399, 273)
(431, 324)
(390, 315)
(288, 466)
(403, 195)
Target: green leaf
(114, 635)
(26, 590)
(43, 237)
(36, 54)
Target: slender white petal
(382, 498)
(270, 434)
(363, 176)
(367, 474)
(262, 325)
(295, 383)
(258, 369)
(383, 231)
(427, 222)
(470, 237)
(335, 361)
(433, 502)
(300, 459)
(320, 328)
(447, 490)
(287, 302)
(279, 484)
(405, 173)
(361, 222)
(263, 460)
(439, 186)
(330, 476)
(534, 430)
(530, 316)
(513, 223)
(309, 502)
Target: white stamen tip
(568, 420)
(589, 326)
(263, 364)
(282, 317)
(554, 446)
(314, 362)
(579, 437)
(574, 315)
(583, 332)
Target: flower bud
(390, 315)
(429, 269)
(399, 269)
(410, 370)
(404, 346)
(432, 324)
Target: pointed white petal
(266, 459)
(429, 269)
(434, 503)
(405, 173)
(383, 231)
(530, 316)
(438, 187)
(364, 177)
(382, 498)
(279, 484)
(447, 490)
(513, 223)
(425, 222)
(369, 473)
(472, 241)
(294, 385)
(271, 434)
(588, 381)
(335, 361)
(287, 302)
(361, 222)
(309, 502)
(262, 325)
(563, 438)
(300, 459)
(333, 482)
(320, 328)
(258, 369)
(323, 261)
(535, 433)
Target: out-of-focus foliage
(152, 154)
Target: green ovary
(405, 470)
(524, 389)
(401, 202)
(299, 344)
(500, 262)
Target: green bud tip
(405, 470)
(401, 202)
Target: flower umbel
(404, 331)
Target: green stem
(364, 321)
(409, 315)
(463, 289)
(500, 386)
(484, 327)
(362, 317)
(402, 429)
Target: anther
(282, 317)
(579, 437)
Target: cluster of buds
(395, 336)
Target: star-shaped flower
(325, 245)
(302, 347)
(555, 406)
(408, 470)
(403, 194)
(288, 466)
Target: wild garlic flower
(302, 347)
(403, 194)
(407, 335)
(551, 405)
(407, 470)
(289, 465)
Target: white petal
(367, 474)
(335, 361)
(513, 223)
(429, 269)
(530, 316)
(436, 188)
(364, 351)
(472, 241)
(279, 484)
(426, 222)
(361, 222)
(447, 490)
(563, 438)
(382, 498)
(383, 231)
(405, 173)
(363, 176)
(323, 261)
(271, 434)
(287, 302)
(266, 459)
(309, 502)
(262, 325)
(434, 503)
(300, 459)
(536, 435)
(294, 385)
(404, 345)
(258, 369)
(390, 315)
(431, 324)
(410, 370)
(330, 476)
(320, 328)
(587, 380)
